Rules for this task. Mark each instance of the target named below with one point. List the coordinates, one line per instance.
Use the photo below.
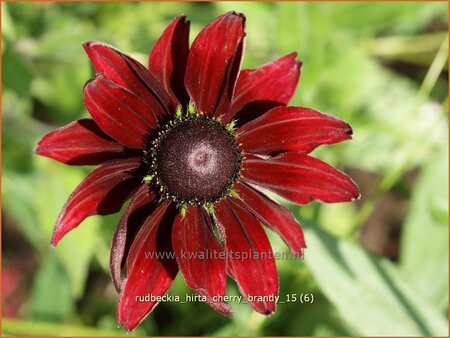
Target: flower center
(195, 160)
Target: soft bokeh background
(375, 267)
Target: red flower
(191, 140)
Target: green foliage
(56, 180)
(424, 259)
(368, 290)
(380, 66)
(50, 298)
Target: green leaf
(76, 250)
(50, 298)
(338, 218)
(35, 201)
(370, 294)
(17, 74)
(424, 245)
(379, 144)
(60, 90)
(303, 28)
(61, 46)
(381, 16)
(18, 151)
(17, 194)
(8, 27)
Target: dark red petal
(274, 216)
(250, 256)
(168, 59)
(258, 90)
(102, 192)
(150, 268)
(80, 143)
(214, 62)
(200, 258)
(120, 113)
(130, 74)
(292, 129)
(300, 178)
(141, 206)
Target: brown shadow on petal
(179, 67)
(253, 110)
(118, 194)
(164, 241)
(103, 156)
(92, 126)
(134, 223)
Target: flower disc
(197, 160)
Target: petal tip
(349, 130)
(238, 16)
(58, 232)
(292, 57)
(235, 13)
(268, 309)
(126, 321)
(92, 80)
(88, 45)
(182, 18)
(222, 308)
(38, 149)
(41, 146)
(55, 240)
(91, 50)
(298, 253)
(356, 198)
(219, 306)
(128, 329)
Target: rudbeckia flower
(195, 143)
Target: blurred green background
(375, 267)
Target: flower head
(191, 140)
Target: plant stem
(417, 49)
(435, 69)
